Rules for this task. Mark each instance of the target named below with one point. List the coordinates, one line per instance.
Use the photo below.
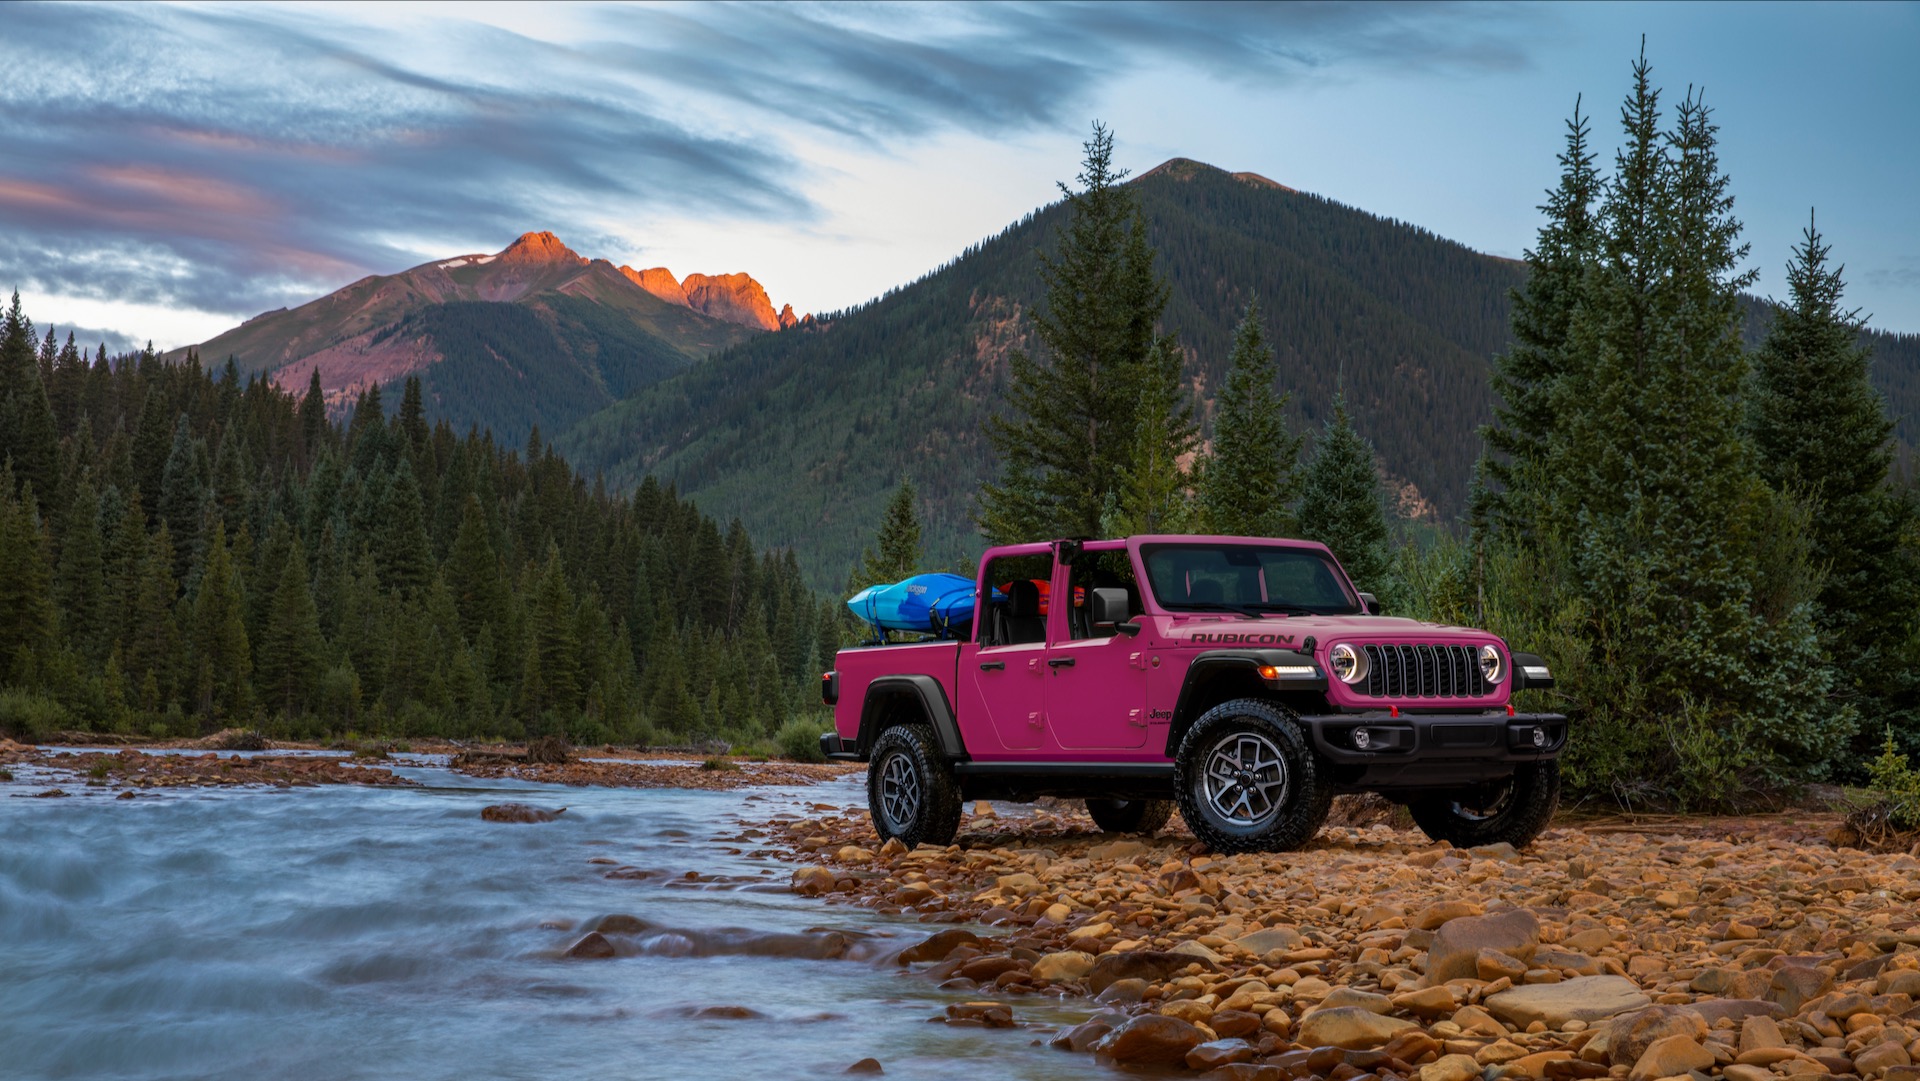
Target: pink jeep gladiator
(1244, 679)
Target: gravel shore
(1745, 949)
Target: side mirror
(1109, 607)
(1370, 604)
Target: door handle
(993, 666)
(1059, 662)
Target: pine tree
(1675, 529)
(551, 675)
(182, 493)
(1341, 504)
(81, 585)
(153, 652)
(1821, 433)
(152, 443)
(290, 650)
(1249, 483)
(1515, 471)
(217, 643)
(897, 551)
(28, 434)
(413, 417)
(1069, 432)
(1154, 489)
(29, 620)
(473, 573)
(313, 420)
(402, 550)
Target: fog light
(1539, 737)
(1362, 739)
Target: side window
(1102, 570)
(1015, 612)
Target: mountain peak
(541, 247)
(1187, 169)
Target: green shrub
(28, 716)
(719, 765)
(1896, 784)
(799, 739)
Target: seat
(1023, 622)
(1205, 591)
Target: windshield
(1247, 578)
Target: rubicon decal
(1240, 639)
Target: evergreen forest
(183, 551)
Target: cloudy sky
(167, 170)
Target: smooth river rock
(1455, 953)
(519, 812)
(1584, 998)
(1352, 1028)
(1151, 1040)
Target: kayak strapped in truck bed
(927, 603)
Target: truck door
(1096, 677)
(1004, 678)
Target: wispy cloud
(234, 159)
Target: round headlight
(1491, 666)
(1349, 664)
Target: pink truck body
(1103, 713)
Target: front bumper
(1384, 749)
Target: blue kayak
(927, 603)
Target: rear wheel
(1130, 815)
(911, 793)
(1247, 780)
(1513, 810)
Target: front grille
(1424, 672)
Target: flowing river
(344, 932)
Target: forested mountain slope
(533, 334)
(804, 434)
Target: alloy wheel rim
(1481, 809)
(900, 792)
(1245, 781)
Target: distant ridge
(583, 333)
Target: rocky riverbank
(715, 773)
(127, 772)
(1748, 950)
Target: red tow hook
(1509, 709)
(1393, 711)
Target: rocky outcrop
(541, 247)
(787, 318)
(736, 298)
(660, 282)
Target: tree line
(182, 551)
(1705, 540)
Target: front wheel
(910, 791)
(1130, 815)
(1513, 810)
(1247, 780)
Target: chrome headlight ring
(1349, 665)
(1493, 667)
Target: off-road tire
(911, 792)
(1514, 810)
(1130, 815)
(1262, 764)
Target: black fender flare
(1208, 664)
(931, 698)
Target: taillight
(830, 688)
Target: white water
(345, 932)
